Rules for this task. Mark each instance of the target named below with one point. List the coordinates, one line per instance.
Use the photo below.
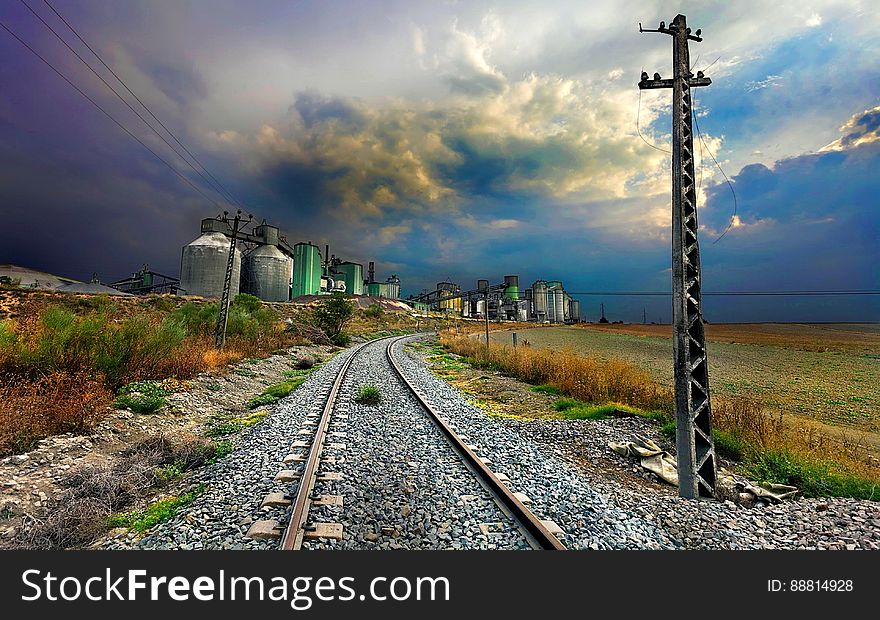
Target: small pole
(486, 316)
(223, 317)
(514, 340)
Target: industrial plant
(543, 302)
(270, 268)
(267, 266)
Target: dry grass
(60, 364)
(59, 402)
(768, 447)
(584, 378)
(95, 492)
(847, 338)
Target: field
(824, 376)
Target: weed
(214, 387)
(221, 449)
(244, 372)
(368, 395)
(141, 397)
(219, 428)
(157, 512)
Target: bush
(368, 395)
(332, 315)
(60, 402)
(141, 397)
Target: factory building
(389, 289)
(353, 276)
(267, 266)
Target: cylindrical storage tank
(353, 274)
(373, 289)
(393, 287)
(511, 287)
(203, 266)
(482, 285)
(567, 306)
(268, 233)
(559, 302)
(539, 300)
(306, 270)
(575, 310)
(268, 273)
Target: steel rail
(537, 531)
(294, 531)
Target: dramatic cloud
(456, 140)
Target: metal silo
(511, 287)
(539, 300)
(575, 310)
(393, 287)
(306, 270)
(482, 285)
(203, 266)
(353, 275)
(267, 273)
(559, 301)
(449, 297)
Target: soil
(30, 481)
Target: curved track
(298, 528)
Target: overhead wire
(108, 115)
(639, 129)
(720, 169)
(223, 189)
(121, 98)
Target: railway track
(298, 528)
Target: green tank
(306, 270)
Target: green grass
(157, 512)
(220, 428)
(546, 389)
(214, 387)
(244, 372)
(572, 409)
(141, 397)
(274, 393)
(812, 478)
(169, 472)
(368, 395)
(221, 448)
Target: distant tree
(332, 315)
(375, 311)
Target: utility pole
(693, 417)
(645, 315)
(486, 315)
(223, 317)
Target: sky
(456, 140)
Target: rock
(822, 506)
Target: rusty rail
(539, 536)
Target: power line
(108, 115)
(639, 130)
(225, 191)
(733, 293)
(720, 169)
(120, 97)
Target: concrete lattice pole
(693, 416)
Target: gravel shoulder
(622, 505)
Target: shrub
(59, 402)
(368, 395)
(305, 362)
(332, 315)
(141, 397)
